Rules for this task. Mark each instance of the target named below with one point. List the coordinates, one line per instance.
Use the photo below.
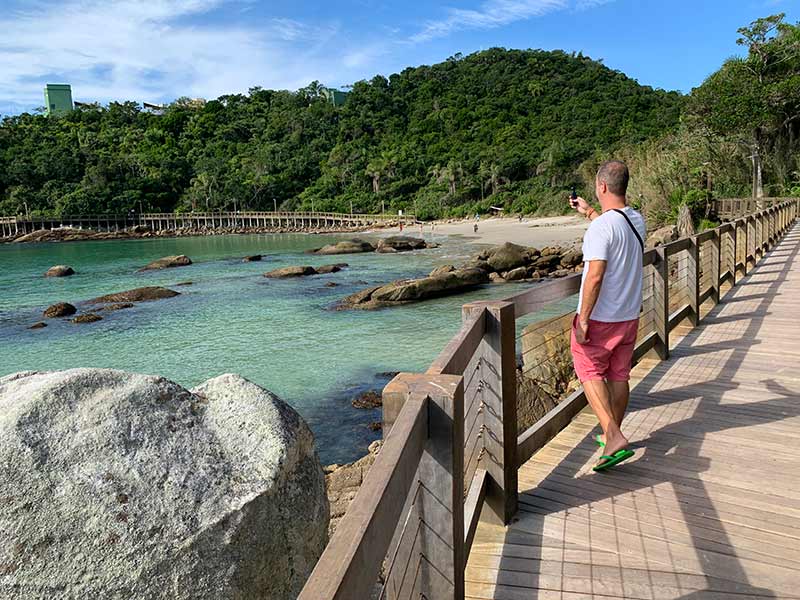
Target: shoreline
(494, 231)
(534, 231)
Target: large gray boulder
(118, 485)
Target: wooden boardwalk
(710, 505)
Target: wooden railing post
(661, 302)
(746, 244)
(499, 389)
(715, 277)
(440, 503)
(693, 281)
(735, 239)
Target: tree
(754, 100)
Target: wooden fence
(727, 209)
(452, 439)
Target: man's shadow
(671, 453)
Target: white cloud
(496, 13)
(490, 14)
(157, 50)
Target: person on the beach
(606, 324)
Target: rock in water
(443, 270)
(142, 294)
(59, 271)
(59, 309)
(325, 269)
(87, 318)
(401, 243)
(368, 399)
(290, 272)
(415, 290)
(119, 485)
(346, 247)
(168, 262)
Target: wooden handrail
(383, 515)
(377, 507)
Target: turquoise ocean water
(280, 334)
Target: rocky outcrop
(285, 272)
(252, 258)
(142, 294)
(354, 246)
(325, 269)
(119, 306)
(59, 271)
(443, 270)
(402, 243)
(59, 309)
(368, 399)
(168, 262)
(87, 318)
(343, 482)
(413, 290)
(546, 375)
(508, 257)
(661, 237)
(117, 485)
(571, 258)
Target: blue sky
(158, 50)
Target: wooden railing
(733, 208)
(278, 215)
(453, 443)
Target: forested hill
(502, 127)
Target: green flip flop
(613, 460)
(598, 441)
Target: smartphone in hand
(573, 198)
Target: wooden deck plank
(710, 506)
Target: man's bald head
(615, 175)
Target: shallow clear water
(280, 334)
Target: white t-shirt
(611, 239)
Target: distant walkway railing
(11, 226)
(269, 220)
(453, 443)
(727, 209)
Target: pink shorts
(608, 353)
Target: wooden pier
(293, 221)
(229, 221)
(467, 501)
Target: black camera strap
(636, 233)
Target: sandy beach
(536, 232)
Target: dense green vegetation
(739, 132)
(507, 128)
(496, 127)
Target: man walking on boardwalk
(605, 327)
